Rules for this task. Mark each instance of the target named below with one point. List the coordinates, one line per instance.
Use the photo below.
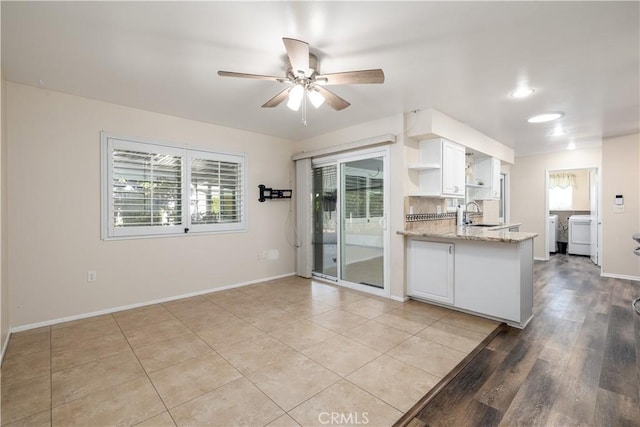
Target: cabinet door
(452, 169)
(430, 270)
(488, 171)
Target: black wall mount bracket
(271, 193)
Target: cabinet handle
(450, 250)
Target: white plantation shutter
(147, 189)
(216, 191)
(152, 189)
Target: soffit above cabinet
(430, 123)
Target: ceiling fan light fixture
(295, 97)
(316, 98)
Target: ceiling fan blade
(298, 53)
(332, 99)
(352, 77)
(276, 100)
(251, 76)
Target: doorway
(350, 236)
(573, 212)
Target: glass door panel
(362, 222)
(325, 236)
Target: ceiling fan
(304, 79)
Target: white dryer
(552, 231)
(579, 235)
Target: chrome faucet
(466, 220)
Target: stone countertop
(498, 233)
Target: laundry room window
(561, 186)
(560, 199)
(151, 189)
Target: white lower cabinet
(494, 279)
(430, 270)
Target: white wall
(581, 200)
(54, 211)
(4, 276)
(389, 125)
(528, 191)
(620, 175)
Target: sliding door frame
(339, 160)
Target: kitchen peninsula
(486, 271)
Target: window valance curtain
(562, 180)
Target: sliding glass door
(349, 221)
(362, 215)
(325, 232)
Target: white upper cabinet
(487, 172)
(441, 168)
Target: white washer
(553, 233)
(579, 235)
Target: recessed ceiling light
(522, 92)
(571, 146)
(558, 131)
(545, 117)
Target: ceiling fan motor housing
(314, 67)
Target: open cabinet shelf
(423, 166)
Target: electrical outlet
(92, 276)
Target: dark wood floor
(577, 363)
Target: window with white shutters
(152, 189)
(216, 191)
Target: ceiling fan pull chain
(304, 108)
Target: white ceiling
(461, 58)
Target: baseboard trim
(537, 258)
(400, 299)
(620, 276)
(5, 344)
(143, 304)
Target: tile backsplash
(424, 205)
(422, 213)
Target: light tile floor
(286, 352)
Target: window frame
(109, 231)
(222, 157)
